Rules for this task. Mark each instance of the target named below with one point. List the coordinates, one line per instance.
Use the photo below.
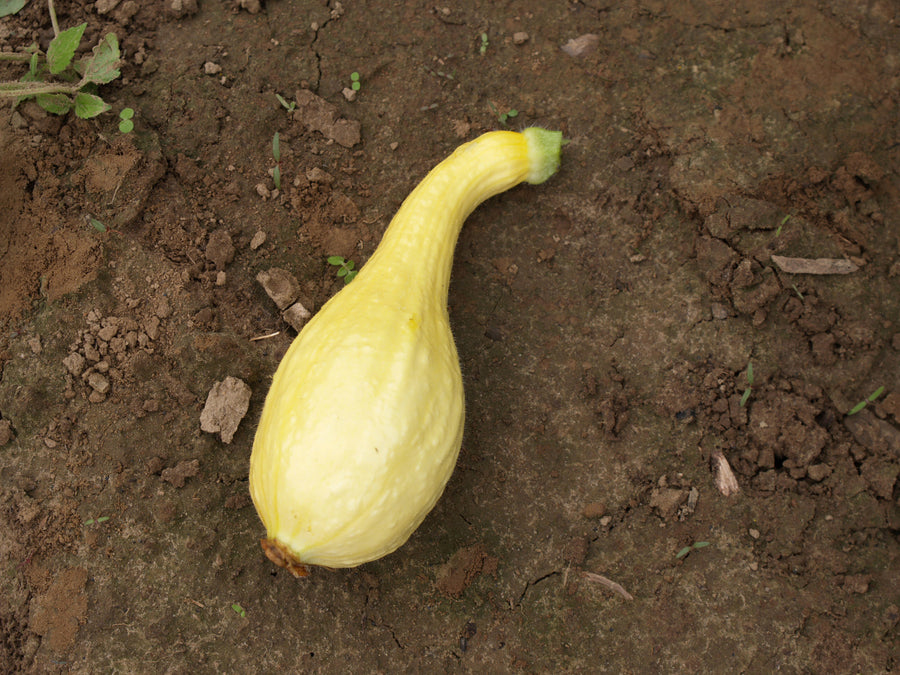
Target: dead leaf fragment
(814, 265)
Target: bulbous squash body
(364, 419)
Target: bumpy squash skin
(364, 420)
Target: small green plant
(287, 105)
(276, 153)
(239, 610)
(868, 399)
(126, 124)
(781, 224)
(345, 267)
(354, 81)
(58, 83)
(101, 519)
(693, 547)
(746, 395)
(502, 117)
(482, 49)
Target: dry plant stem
(14, 56)
(608, 583)
(16, 89)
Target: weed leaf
(58, 104)
(88, 105)
(8, 7)
(103, 66)
(62, 48)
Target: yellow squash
(364, 420)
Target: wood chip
(608, 583)
(814, 265)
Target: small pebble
(258, 240)
(211, 68)
(520, 37)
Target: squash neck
(416, 251)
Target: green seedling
(869, 399)
(781, 224)
(101, 519)
(126, 124)
(354, 81)
(287, 105)
(482, 49)
(56, 82)
(276, 153)
(502, 117)
(345, 267)
(746, 395)
(693, 547)
(239, 610)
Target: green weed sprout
(868, 399)
(276, 153)
(56, 82)
(287, 105)
(482, 49)
(502, 117)
(693, 547)
(239, 610)
(354, 81)
(126, 124)
(746, 395)
(101, 519)
(781, 224)
(345, 267)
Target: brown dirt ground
(605, 322)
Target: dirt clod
(226, 405)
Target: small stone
(220, 278)
(35, 344)
(349, 94)
(753, 532)
(520, 37)
(98, 382)
(263, 191)
(107, 332)
(74, 363)
(280, 285)
(211, 68)
(96, 397)
(296, 315)
(594, 510)
(258, 240)
(317, 175)
(818, 472)
(665, 501)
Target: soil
(626, 338)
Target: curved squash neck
(416, 251)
